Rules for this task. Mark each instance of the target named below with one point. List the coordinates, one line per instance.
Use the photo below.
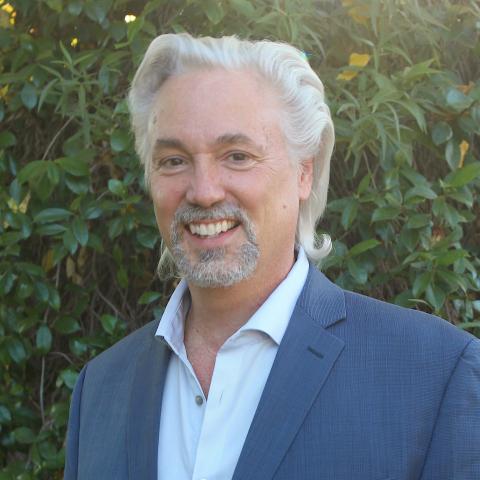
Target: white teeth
(210, 229)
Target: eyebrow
(226, 139)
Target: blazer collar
(302, 365)
(145, 407)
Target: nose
(206, 187)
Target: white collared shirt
(202, 439)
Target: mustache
(189, 213)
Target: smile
(211, 229)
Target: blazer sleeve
(453, 452)
(73, 432)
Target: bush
(78, 239)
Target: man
(260, 368)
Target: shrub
(78, 239)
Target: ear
(305, 179)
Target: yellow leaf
(70, 267)
(464, 146)
(82, 258)
(347, 75)
(359, 14)
(359, 59)
(465, 89)
(24, 205)
(7, 8)
(47, 261)
(13, 205)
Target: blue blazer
(359, 390)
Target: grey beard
(214, 267)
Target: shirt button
(199, 401)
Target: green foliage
(78, 238)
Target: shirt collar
(274, 314)
(271, 318)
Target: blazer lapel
(303, 362)
(144, 410)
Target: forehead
(206, 104)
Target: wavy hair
(308, 127)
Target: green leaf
(55, 5)
(359, 274)
(93, 211)
(416, 112)
(52, 215)
(418, 220)
(54, 298)
(29, 96)
(5, 415)
(385, 213)
(148, 238)
(452, 154)
(44, 339)
(117, 187)
(119, 140)
(16, 350)
(80, 231)
(50, 229)
(467, 325)
(421, 191)
(349, 213)
(10, 238)
(68, 377)
(457, 100)
(108, 322)
(214, 11)
(7, 281)
(7, 139)
(32, 171)
(441, 133)
(74, 166)
(421, 283)
(75, 7)
(451, 257)
(244, 7)
(66, 325)
(435, 296)
(70, 241)
(149, 297)
(97, 9)
(452, 279)
(464, 175)
(363, 247)
(47, 450)
(24, 435)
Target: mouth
(210, 229)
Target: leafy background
(78, 241)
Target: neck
(217, 313)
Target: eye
(169, 163)
(173, 162)
(239, 159)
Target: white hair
(308, 128)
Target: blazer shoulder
(408, 325)
(126, 350)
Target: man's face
(225, 193)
